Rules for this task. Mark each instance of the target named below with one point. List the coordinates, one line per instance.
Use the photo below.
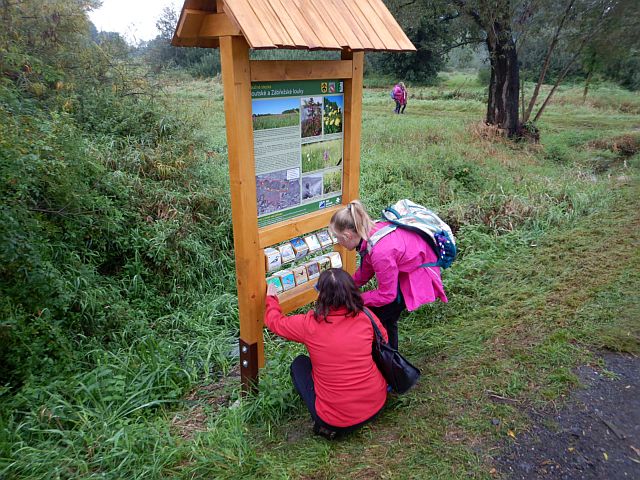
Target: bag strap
(375, 327)
(392, 210)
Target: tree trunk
(547, 61)
(502, 107)
(587, 82)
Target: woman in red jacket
(339, 381)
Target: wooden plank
(370, 16)
(331, 25)
(196, 42)
(203, 5)
(307, 31)
(353, 12)
(323, 33)
(250, 268)
(218, 25)
(271, 21)
(189, 24)
(296, 227)
(352, 134)
(252, 29)
(298, 297)
(392, 25)
(288, 24)
(273, 70)
(323, 23)
(350, 40)
(343, 7)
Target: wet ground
(594, 435)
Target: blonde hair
(352, 217)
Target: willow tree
(476, 21)
(495, 19)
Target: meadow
(534, 293)
(319, 155)
(263, 122)
(332, 182)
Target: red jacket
(349, 387)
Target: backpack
(418, 219)
(392, 96)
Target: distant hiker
(398, 96)
(396, 263)
(405, 95)
(339, 381)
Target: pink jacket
(398, 93)
(396, 258)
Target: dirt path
(595, 435)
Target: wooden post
(352, 130)
(250, 268)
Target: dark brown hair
(337, 289)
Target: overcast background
(135, 20)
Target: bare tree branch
(547, 61)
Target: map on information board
(298, 147)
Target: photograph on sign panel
(321, 155)
(311, 117)
(332, 118)
(275, 113)
(332, 181)
(311, 186)
(278, 190)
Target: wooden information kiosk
(293, 129)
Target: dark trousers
(403, 107)
(389, 315)
(398, 105)
(303, 382)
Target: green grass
(332, 181)
(536, 291)
(316, 156)
(276, 121)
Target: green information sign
(298, 147)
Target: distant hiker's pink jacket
(396, 258)
(398, 93)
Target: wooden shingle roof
(304, 24)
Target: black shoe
(324, 431)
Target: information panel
(298, 147)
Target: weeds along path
(545, 308)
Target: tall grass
(146, 387)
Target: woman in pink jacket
(398, 96)
(339, 381)
(396, 263)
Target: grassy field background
(548, 274)
(316, 156)
(263, 122)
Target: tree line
(540, 41)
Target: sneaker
(324, 432)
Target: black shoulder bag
(399, 372)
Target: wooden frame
(249, 241)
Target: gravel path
(594, 435)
